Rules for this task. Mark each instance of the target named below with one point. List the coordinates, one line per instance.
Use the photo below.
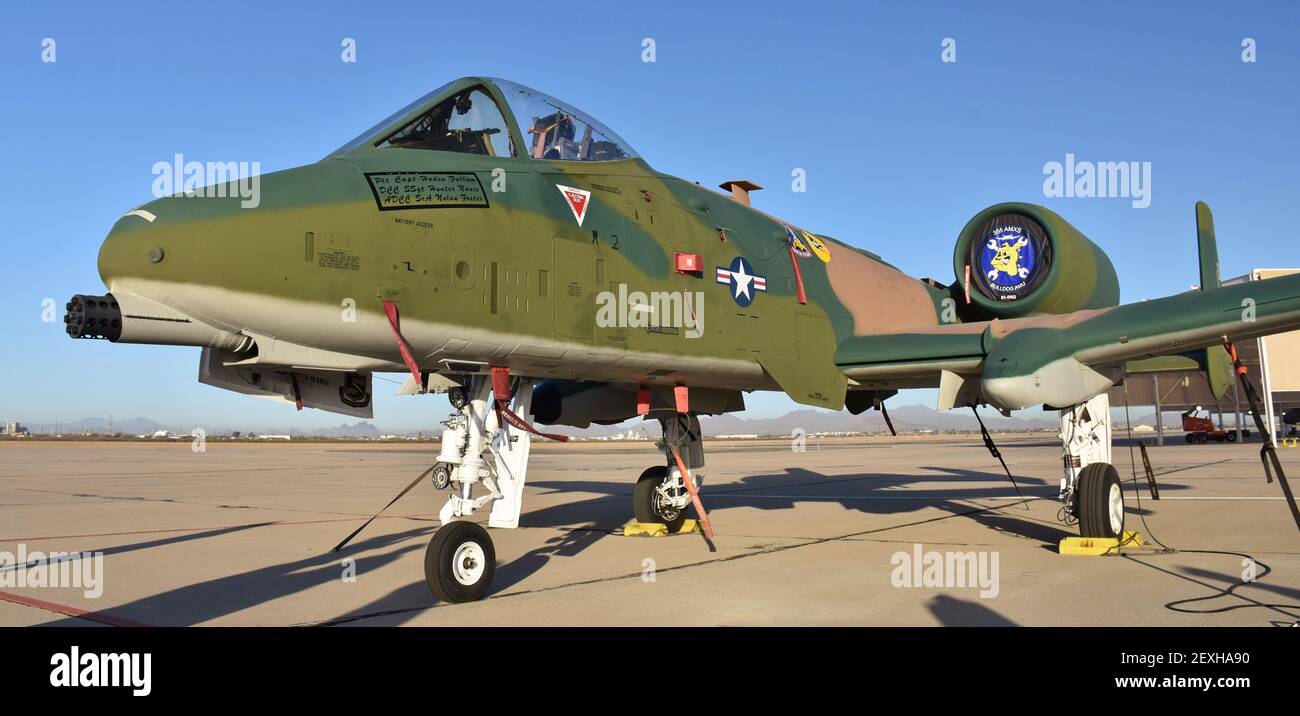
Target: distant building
(13, 428)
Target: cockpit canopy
(495, 117)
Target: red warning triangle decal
(577, 200)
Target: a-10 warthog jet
(506, 248)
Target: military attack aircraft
(509, 250)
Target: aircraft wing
(1061, 360)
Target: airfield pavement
(240, 535)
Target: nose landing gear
(461, 559)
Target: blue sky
(900, 149)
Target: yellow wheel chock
(657, 529)
(1099, 546)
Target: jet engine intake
(1017, 259)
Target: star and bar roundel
(740, 277)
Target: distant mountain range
(148, 426)
(906, 419)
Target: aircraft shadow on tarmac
(222, 596)
(586, 521)
(951, 611)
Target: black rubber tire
(643, 500)
(1232, 436)
(1189, 438)
(438, 568)
(1093, 500)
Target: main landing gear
(661, 495)
(1091, 493)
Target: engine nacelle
(1023, 259)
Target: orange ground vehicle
(1202, 429)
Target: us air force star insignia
(744, 284)
(577, 199)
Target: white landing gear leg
(1090, 488)
(461, 560)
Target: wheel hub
(663, 502)
(1115, 502)
(467, 563)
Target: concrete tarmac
(240, 535)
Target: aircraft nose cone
(145, 244)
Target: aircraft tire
(460, 562)
(1101, 501)
(645, 502)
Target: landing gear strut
(1091, 493)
